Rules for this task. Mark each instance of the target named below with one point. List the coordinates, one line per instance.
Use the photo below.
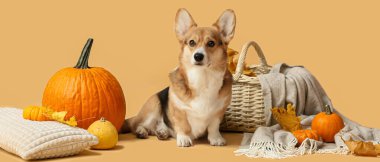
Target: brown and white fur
(200, 89)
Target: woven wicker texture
(40, 140)
(246, 110)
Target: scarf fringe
(274, 150)
(339, 151)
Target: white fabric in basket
(40, 140)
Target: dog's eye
(192, 43)
(211, 43)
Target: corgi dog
(200, 90)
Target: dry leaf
(377, 149)
(287, 118)
(72, 121)
(361, 148)
(351, 145)
(365, 149)
(232, 63)
(60, 117)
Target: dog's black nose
(198, 57)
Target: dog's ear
(183, 23)
(226, 25)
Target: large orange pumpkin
(88, 93)
(327, 124)
(302, 134)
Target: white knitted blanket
(40, 140)
(285, 84)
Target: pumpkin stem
(83, 59)
(102, 119)
(328, 109)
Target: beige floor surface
(131, 149)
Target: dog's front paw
(217, 141)
(184, 141)
(162, 134)
(141, 132)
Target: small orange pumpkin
(327, 124)
(35, 113)
(302, 134)
(88, 93)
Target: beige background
(337, 41)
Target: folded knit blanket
(294, 84)
(40, 139)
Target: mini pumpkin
(87, 93)
(105, 132)
(327, 124)
(35, 113)
(302, 134)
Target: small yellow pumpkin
(106, 132)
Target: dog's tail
(127, 125)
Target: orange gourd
(35, 113)
(302, 134)
(327, 124)
(88, 93)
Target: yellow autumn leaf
(72, 121)
(351, 144)
(60, 117)
(232, 63)
(361, 148)
(377, 149)
(365, 149)
(287, 118)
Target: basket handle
(243, 54)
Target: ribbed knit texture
(40, 140)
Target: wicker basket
(246, 111)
